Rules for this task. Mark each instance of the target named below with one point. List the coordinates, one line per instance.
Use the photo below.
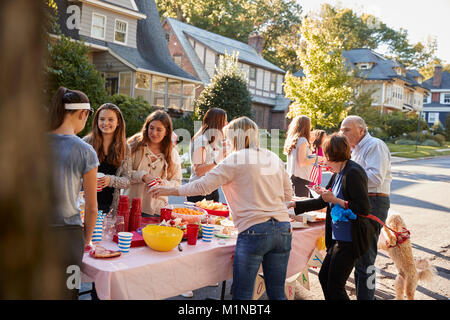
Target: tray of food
(189, 214)
(214, 208)
(102, 253)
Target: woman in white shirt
(205, 149)
(299, 156)
(256, 187)
(153, 156)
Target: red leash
(401, 236)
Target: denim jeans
(268, 243)
(364, 267)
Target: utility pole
(418, 129)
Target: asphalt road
(420, 193)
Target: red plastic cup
(152, 183)
(99, 176)
(165, 214)
(192, 233)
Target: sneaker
(188, 294)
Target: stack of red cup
(135, 215)
(124, 210)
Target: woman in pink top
(256, 186)
(318, 136)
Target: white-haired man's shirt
(374, 156)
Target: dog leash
(401, 236)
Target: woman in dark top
(345, 240)
(109, 141)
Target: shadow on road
(416, 203)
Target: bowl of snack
(162, 238)
(189, 214)
(214, 208)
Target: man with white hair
(374, 156)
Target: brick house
(197, 51)
(436, 107)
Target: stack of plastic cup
(98, 229)
(207, 232)
(125, 241)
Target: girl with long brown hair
(153, 156)
(109, 141)
(207, 148)
(299, 157)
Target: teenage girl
(153, 157)
(109, 141)
(205, 149)
(75, 165)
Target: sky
(420, 18)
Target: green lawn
(407, 151)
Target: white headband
(77, 106)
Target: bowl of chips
(190, 214)
(214, 208)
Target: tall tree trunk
(29, 263)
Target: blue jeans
(268, 243)
(364, 268)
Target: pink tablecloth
(144, 273)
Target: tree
(323, 94)
(428, 70)
(278, 21)
(69, 66)
(367, 31)
(29, 265)
(227, 90)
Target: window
(120, 31)
(177, 60)
(174, 91)
(188, 96)
(111, 82)
(98, 26)
(252, 73)
(433, 117)
(273, 81)
(364, 66)
(447, 98)
(142, 87)
(125, 83)
(158, 91)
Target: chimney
(256, 41)
(437, 77)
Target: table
(146, 274)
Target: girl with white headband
(75, 164)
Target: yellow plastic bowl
(162, 238)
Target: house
(437, 106)
(197, 51)
(394, 87)
(128, 47)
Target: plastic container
(188, 217)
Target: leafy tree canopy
(323, 94)
(227, 90)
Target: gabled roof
(382, 68)
(445, 84)
(217, 43)
(151, 54)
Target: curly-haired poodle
(409, 270)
